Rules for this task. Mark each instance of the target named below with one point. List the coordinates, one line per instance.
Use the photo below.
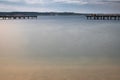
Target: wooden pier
(103, 17)
(17, 17)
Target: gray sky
(79, 6)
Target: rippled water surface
(59, 48)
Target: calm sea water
(59, 41)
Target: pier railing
(103, 17)
(9, 17)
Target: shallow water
(59, 47)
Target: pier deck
(103, 17)
(17, 17)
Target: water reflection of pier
(17, 17)
(103, 17)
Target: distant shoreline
(49, 13)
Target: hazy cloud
(36, 1)
(112, 1)
(61, 5)
(64, 1)
(72, 1)
(11, 0)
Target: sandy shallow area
(59, 48)
(60, 73)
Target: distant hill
(38, 13)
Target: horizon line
(56, 12)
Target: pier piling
(102, 17)
(17, 17)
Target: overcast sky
(79, 6)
